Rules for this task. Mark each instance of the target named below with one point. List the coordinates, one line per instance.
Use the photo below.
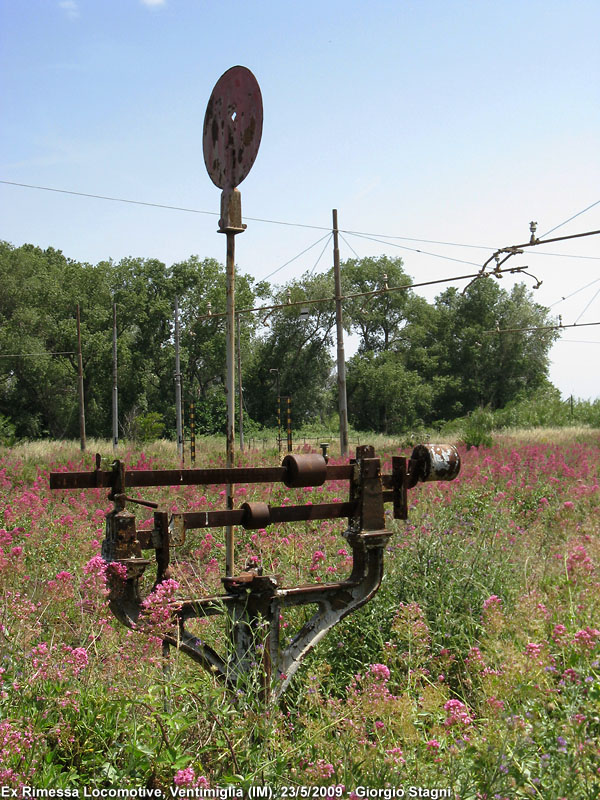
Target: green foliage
(7, 432)
(383, 395)
(478, 427)
(417, 362)
(148, 427)
(293, 354)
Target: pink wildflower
(380, 671)
(457, 713)
(493, 600)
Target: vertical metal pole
(115, 392)
(80, 384)
(230, 389)
(341, 360)
(240, 392)
(289, 424)
(276, 371)
(230, 224)
(178, 385)
(192, 433)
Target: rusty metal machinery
(253, 602)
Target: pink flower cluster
(186, 778)
(458, 714)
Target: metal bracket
(253, 603)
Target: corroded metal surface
(434, 462)
(232, 127)
(253, 603)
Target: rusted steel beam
(186, 477)
(252, 602)
(219, 519)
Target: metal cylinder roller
(304, 470)
(256, 515)
(433, 462)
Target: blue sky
(457, 122)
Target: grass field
(473, 674)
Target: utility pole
(276, 371)
(240, 393)
(341, 359)
(115, 392)
(80, 384)
(178, 385)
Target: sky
(439, 129)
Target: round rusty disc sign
(232, 127)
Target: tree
(383, 395)
(297, 343)
(379, 319)
(38, 384)
(201, 286)
(478, 366)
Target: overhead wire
(314, 244)
(558, 327)
(292, 224)
(348, 245)
(578, 214)
(373, 293)
(38, 355)
(329, 238)
(591, 283)
(413, 249)
(587, 306)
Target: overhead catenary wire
(325, 246)
(413, 249)
(587, 306)
(578, 214)
(558, 327)
(373, 293)
(310, 247)
(188, 210)
(581, 289)
(38, 355)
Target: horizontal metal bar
(185, 477)
(218, 519)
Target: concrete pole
(341, 359)
(80, 384)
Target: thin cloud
(153, 2)
(70, 8)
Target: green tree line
(417, 362)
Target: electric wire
(591, 283)
(348, 245)
(314, 244)
(288, 224)
(38, 355)
(413, 249)
(329, 238)
(558, 327)
(579, 213)
(587, 306)
(373, 293)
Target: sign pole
(232, 134)
(341, 359)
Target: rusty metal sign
(232, 127)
